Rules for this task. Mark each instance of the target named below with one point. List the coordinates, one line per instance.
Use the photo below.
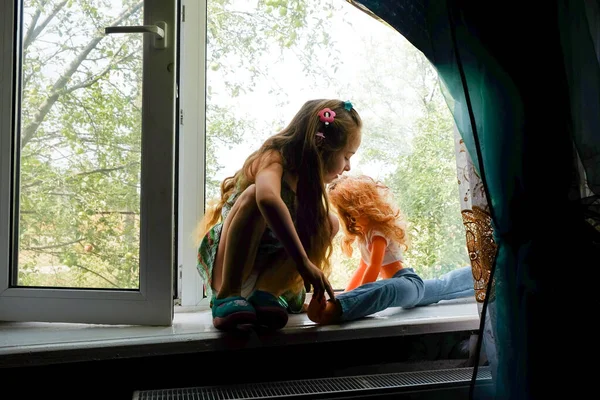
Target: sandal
(232, 312)
(270, 313)
(293, 302)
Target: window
(265, 58)
(87, 143)
(88, 179)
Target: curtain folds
(523, 84)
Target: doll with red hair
(369, 215)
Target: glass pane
(80, 151)
(266, 58)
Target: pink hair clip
(326, 115)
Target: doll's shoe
(271, 314)
(232, 313)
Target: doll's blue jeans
(405, 289)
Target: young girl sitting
(367, 212)
(271, 231)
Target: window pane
(266, 58)
(80, 146)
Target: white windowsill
(24, 344)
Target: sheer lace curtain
(476, 217)
(479, 237)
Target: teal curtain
(522, 81)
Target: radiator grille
(302, 388)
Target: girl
(368, 213)
(272, 230)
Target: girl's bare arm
(275, 212)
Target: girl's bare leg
(279, 274)
(242, 231)
(282, 274)
(324, 311)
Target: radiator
(322, 387)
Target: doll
(368, 215)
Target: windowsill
(28, 344)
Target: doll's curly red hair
(355, 197)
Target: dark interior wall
(117, 379)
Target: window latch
(159, 30)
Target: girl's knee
(247, 200)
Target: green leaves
(80, 160)
(80, 164)
(425, 184)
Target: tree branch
(60, 194)
(34, 31)
(90, 82)
(51, 246)
(96, 78)
(61, 82)
(116, 212)
(34, 20)
(88, 270)
(103, 170)
(97, 274)
(32, 184)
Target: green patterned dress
(269, 244)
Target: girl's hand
(315, 277)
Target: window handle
(159, 31)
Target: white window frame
(152, 304)
(192, 141)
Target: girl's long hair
(306, 156)
(355, 197)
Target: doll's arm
(357, 278)
(377, 253)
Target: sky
(347, 28)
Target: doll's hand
(315, 277)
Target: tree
(425, 184)
(246, 39)
(80, 144)
(408, 134)
(81, 129)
